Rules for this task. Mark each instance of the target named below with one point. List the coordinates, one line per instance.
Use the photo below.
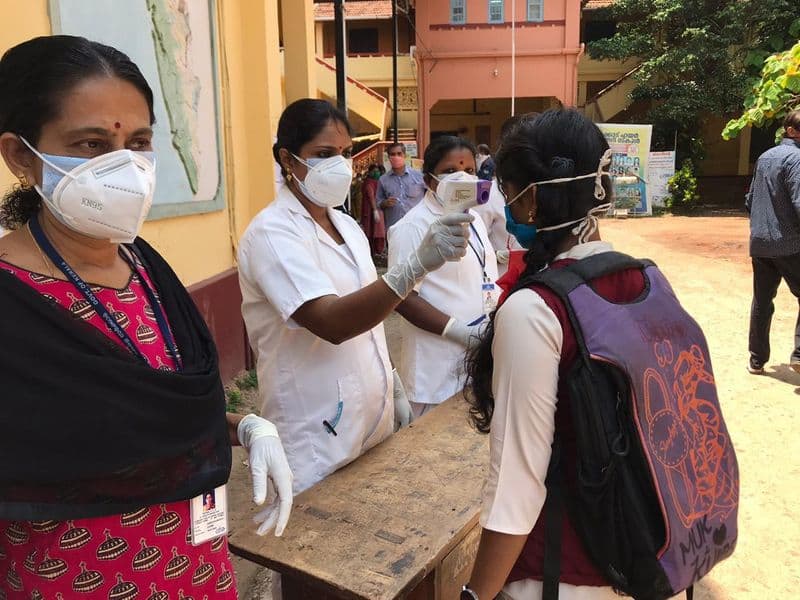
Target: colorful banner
(630, 145)
(659, 170)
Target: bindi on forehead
(117, 125)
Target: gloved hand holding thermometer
(446, 240)
(267, 461)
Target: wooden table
(400, 522)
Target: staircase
(367, 109)
(611, 100)
(403, 135)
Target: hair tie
(562, 166)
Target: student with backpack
(611, 468)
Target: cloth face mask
(327, 181)
(105, 197)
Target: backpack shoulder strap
(563, 281)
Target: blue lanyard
(86, 292)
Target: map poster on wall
(630, 147)
(659, 170)
(172, 42)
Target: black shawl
(86, 429)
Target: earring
(289, 176)
(531, 216)
(23, 180)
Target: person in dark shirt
(485, 163)
(774, 206)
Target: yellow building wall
(20, 21)
(201, 246)
(376, 71)
(722, 157)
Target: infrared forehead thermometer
(460, 196)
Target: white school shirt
(527, 352)
(285, 260)
(431, 366)
(493, 214)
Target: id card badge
(209, 513)
(490, 296)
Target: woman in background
(372, 216)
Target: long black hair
(34, 77)
(301, 122)
(556, 143)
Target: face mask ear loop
(587, 227)
(522, 193)
(43, 159)
(302, 161)
(599, 190)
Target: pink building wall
(473, 60)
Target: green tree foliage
(683, 196)
(775, 94)
(698, 57)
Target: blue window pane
(536, 11)
(458, 12)
(496, 11)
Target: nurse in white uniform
(446, 311)
(314, 305)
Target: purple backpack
(655, 491)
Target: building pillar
(319, 32)
(299, 39)
(251, 104)
(423, 108)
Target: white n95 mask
(106, 197)
(327, 181)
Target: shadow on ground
(786, 374)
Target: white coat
(430, 366)
(285, 260)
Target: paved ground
(705, 258)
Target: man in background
(400, 189)
(774, 206)
(485, 163)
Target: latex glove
(446, 240)
(267, 462)
(402, 408)
(461, 333)
(503, 256)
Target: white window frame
(534, 7)
(458, 5)
(496, 4)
